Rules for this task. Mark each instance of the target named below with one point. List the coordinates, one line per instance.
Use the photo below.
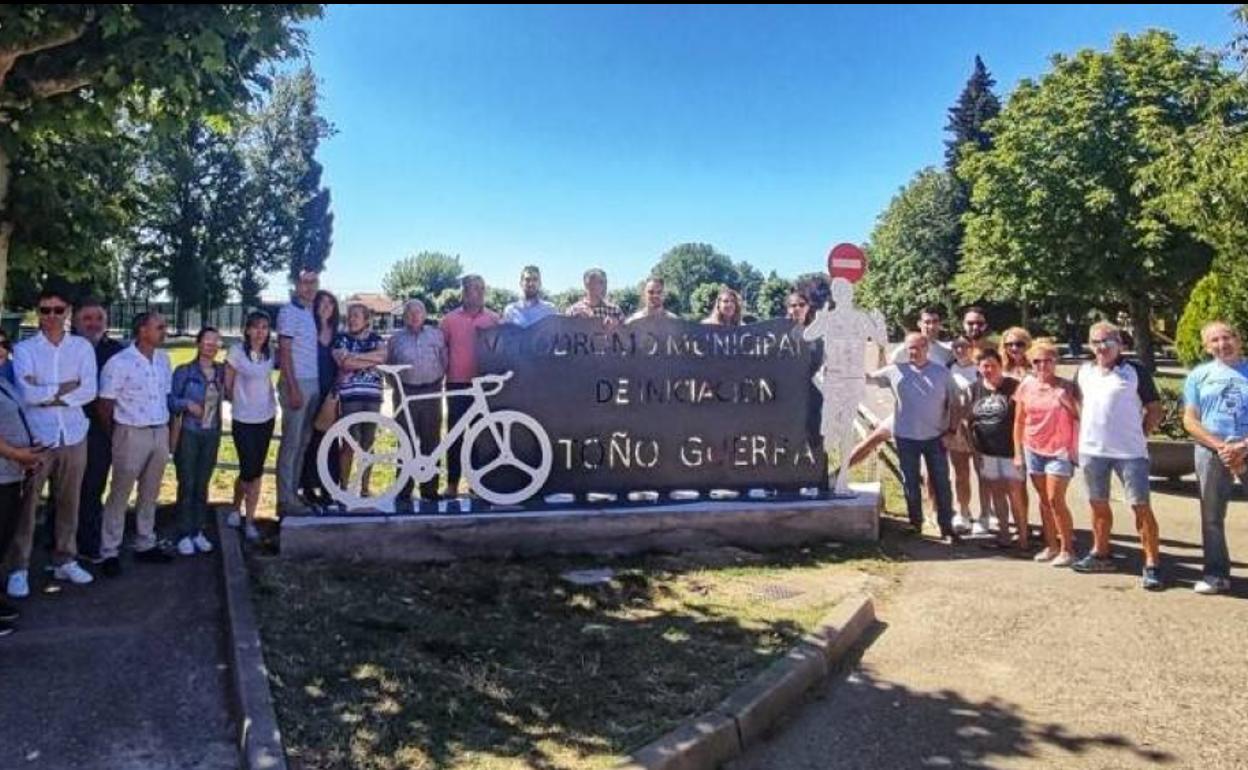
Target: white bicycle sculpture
(413, 464)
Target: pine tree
(976, 105)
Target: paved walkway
(123, 674)
(990, 661)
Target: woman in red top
(1046, 440)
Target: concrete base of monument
(603, 530)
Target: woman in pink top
(1046, 440)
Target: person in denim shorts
(1120, 408)
(1046, 437)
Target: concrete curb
(743, 719)
(259, 740)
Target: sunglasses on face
(974, 323)
(1038, 361)
(53, 309)
(1016, 344)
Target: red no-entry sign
(847, 261)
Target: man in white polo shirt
(134, 408)
(1120, 408)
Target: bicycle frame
(479, 408)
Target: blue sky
(579, 136)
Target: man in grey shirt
(423, 350)
(926, 401)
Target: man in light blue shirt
(530, 308)
(1215, 414)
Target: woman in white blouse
(249, 386)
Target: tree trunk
(1142, 319)
(6, 227)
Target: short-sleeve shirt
(460, 329)
(1111, 422)
(139, 387)
(1048, 427)
(992, 417)
(924, 397)
(422, 351)
(362, 384)
(1220, 395)
(525, 314)
(296, 323)
(253, 401)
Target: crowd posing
(78, 410)
(1006, 417)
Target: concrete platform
(607, 530)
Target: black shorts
(251, 441)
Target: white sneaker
(74, 573)
(234, 519)
(186, 547)
(980, 527)
(960, 524)
(250, 533)
(1048, 554)
(1212, 585)
(202, 543)
(19, 584)
(1064, 559)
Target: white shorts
(998, 469)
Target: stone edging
(259, 739)
(744, 717)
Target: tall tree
(913, 248)
(425, 274)
(771, 296)
(968, 118)
(70, 69)
(686, 266)
(1062, 203)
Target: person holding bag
(195, 399)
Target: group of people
(1006, 416)
(78, 407)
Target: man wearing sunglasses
(1120, 409)
(56, 376)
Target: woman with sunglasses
(1046, 444)
(1015, 342)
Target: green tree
(702, 300)
(968, 119)
(771, 296)
(425, 274)
(497, 298)
(912, 249)
(1062, 203)
(628, 298)
(686, 266)
(748, 281)
(567, 298)
(1212, 300)
(69, 70)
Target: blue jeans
(934, 456)
(1217, 484)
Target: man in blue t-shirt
(1215, 413)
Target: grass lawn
(487, 664)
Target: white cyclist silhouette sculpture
(498, 449)
(845, 330)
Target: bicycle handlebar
(496, 380)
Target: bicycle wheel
(388, 461)
(506, 457)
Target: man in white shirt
(1120, 408)
(298, 389)
(134, 408)
(56, 376)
